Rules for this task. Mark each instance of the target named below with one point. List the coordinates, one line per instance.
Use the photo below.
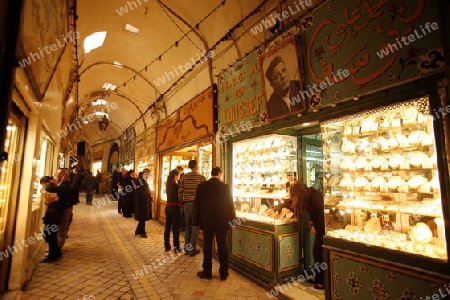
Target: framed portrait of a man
(282, 80)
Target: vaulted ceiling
(146, 75)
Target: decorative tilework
(253, 246)
(378, 290)
(289, 251)
(369, 279)
(354, 284)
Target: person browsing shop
(173, 212)
(186, 192)
(311, 200)
(213, 213)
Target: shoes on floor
(319, 286)
(144, 235)
(223, 277)
(51, 259)
(204, 275)
(311, 281)
(136, 233)
(167, 249)
(194, 252)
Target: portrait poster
(283, 85)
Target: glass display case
(148, 163)
(381, 179)
(263, 169)
(203, 155)
(170, 162)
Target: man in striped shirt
(186, 192)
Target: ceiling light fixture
(103, 121)
(131, 28)
(94, 41)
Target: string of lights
(225, 37)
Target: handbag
(52, 216)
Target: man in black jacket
(213, 210)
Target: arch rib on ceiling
(196, 32)
(157, 93)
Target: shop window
(381, 179)
(263, 169)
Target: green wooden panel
(349, 35)
(255, 247)
(289, 250)
(365, 279)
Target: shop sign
(380, 43)
(241, 98)
(150, 140)
(193, 120)
(140, 146)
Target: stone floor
(103, 259)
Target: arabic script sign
(382, 43)
(241, 98)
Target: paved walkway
(103, 259)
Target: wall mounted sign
(150, 139)
(241, 98)
(193, 120)
(378, 43)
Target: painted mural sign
(378, 43)
(193, 120)
(241, 97)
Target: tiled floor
(103, 259)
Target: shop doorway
(312, 155)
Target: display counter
(266, 240)
(383, 204)
(269, 252)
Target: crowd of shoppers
(207, 206)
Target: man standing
(90, 186)
(99, 179)
(186, 193)
(214, 210)
(120, 190)
(282, 102)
